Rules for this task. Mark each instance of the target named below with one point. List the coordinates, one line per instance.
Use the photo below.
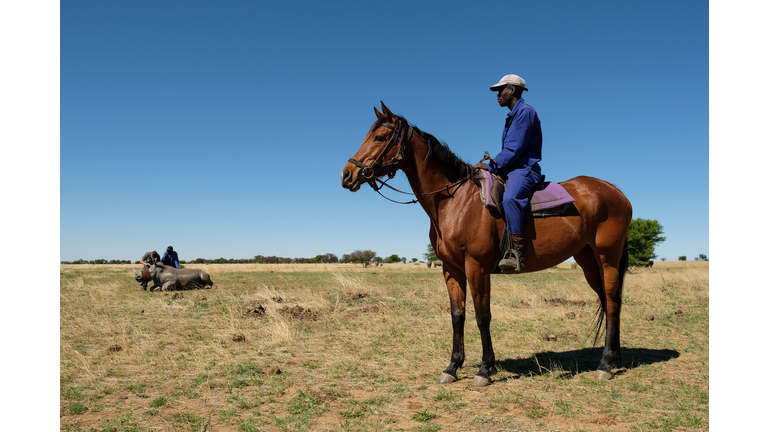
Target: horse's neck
(428, 178)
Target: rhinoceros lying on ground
(172, 278)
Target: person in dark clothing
(517, 163)
(170, 258)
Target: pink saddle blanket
(546, 196)
(551, 196)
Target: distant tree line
(98, 261)
(642, 238)
(701, 257)
(363, 257)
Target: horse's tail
(601, 312)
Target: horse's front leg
(456, 282)
(480, 284)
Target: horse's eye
(378, 138)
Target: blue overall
(518, 162)
(171, 259)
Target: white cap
(509, 79)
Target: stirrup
(513, 260)
(508, 261)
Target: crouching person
(149, 259)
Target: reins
(447, 189)
(366, 171)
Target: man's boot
(513, 258)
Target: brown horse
(465, 236)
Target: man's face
(505, 96)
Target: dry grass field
(359, 349)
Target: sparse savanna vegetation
(341, 347)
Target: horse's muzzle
(350, 180)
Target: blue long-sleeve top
(520, 142)
(170, 259)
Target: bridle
(400, 136)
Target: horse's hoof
(603, 375)
(446, 378)
(479, 381)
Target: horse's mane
(440, 151)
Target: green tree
(430, 255)
(642, 238)
(682, 258)
(394, 258)
(362, 257)
(369, 255)
(356, 256)
(330, 258)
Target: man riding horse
(517, 163)
(464, 233)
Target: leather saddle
(547, 198)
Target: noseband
(400, 136)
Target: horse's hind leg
(456, 282)
(613, 275)
(589, 265)
(604, 278)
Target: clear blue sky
(222, 128)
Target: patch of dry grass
(359, 349)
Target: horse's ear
(386, 111)
(378, 114)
